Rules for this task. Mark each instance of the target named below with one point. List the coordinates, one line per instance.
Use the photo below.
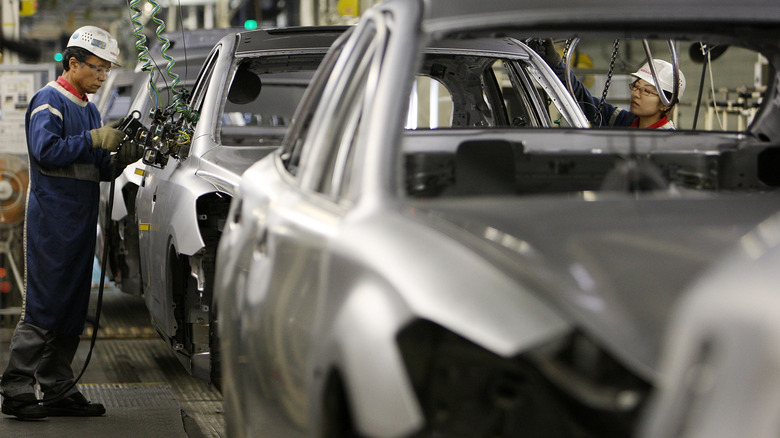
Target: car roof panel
(292, 38)
(442, 15)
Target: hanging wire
(179, 101)
(183, 40)
(176, 96)
(140, 43)
(165, 45)
(143, 51)
(144, 56)
(712, 88)
(704, 50)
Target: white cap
(97, 41)
(665, 72)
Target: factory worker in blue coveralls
(69, 153)
(646, 111)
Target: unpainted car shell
(316, 287)
(187, 50)
(698, 17)
(720, 364)
(171, 227)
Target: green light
(250, 25)
(58, 57)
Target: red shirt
(664, 120)
(67, 85)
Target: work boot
(75, 405)
(23, 407)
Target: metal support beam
(10, 28)
(216, 14)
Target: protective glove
(107, 137)
(129, 153)
(546, 50)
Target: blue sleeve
(58, 138)
(102, 158)
(46, 143)
(590, 104)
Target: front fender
(183, 228)
(119, 210)
(362, 346)
(176, 212)
(167, 215)
(128, 176)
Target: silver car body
(181, 206)
(125, 91)
(720, 367)
(350, 304)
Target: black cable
(701, 86)
(183, 41)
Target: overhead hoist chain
(615, 46)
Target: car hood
(223, 166)
(615, 267)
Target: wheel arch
(361, 350)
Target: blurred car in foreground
(478, 273)
(124, 91)
(244, 98)
(720, 367)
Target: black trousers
(42, 356)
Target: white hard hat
(665, 72)
(97, 41)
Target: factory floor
(145, 389)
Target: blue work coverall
(62, 211)
(60, 229)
